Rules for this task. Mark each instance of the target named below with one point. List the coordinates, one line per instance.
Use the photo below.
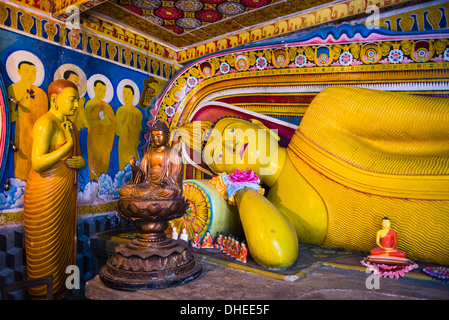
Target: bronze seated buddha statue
(161, 171)
(153, 196)
(151, 199)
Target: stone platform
(319, 274)
(320, 282)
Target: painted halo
(109, 89)
(131, 83)
(12, 64)
(59, 74)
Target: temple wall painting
(115, 82)
(276, 78)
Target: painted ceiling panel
(183, 16)
(182, 23)
(189, 28)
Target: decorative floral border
(89, 42)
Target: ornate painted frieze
(123, 48)
(311, 18)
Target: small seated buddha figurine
(219, 242)
(242, 256)
(161, 170)
(386, 242)
(195, 243)
(184, 236)
(207, 241)
(231, 246)
(236, 251)
(224, 243)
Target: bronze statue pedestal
(151, 260)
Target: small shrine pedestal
(151, 261)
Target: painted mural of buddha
(30, 102)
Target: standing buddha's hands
(104, 119)
(76, 162)
(68, 131)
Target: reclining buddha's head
(240, 144)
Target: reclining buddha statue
(358, 155)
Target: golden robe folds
(50, 210)
(369, 154)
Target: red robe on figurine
(388, 241)
(196, 241)
(242, 256)
(207, 241)
(219, 242)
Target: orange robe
(242, 255)
(50, 209)
(208, 242)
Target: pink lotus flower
(244, 176)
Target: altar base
(150, 265)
